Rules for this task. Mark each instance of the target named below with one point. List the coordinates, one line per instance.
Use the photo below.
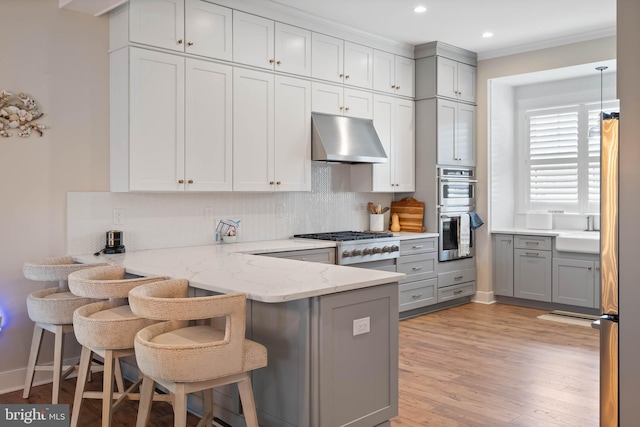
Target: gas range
(355, 247)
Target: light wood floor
(497, 365)
(473, 365)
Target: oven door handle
(460, 180)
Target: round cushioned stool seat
(52, 269)
(171, 352)
(107, 324)
(54, 306)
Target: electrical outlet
(208, 213)
(361, 326)
(118, 216)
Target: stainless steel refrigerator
(609, 380)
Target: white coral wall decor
(18, 114)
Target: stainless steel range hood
(345, 140)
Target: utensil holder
(376, 222)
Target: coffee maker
(114, 244)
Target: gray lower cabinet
(418, 260)
(532, 274)
(503, 264)
(332, 361)
(574, 282)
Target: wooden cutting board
(410, 213)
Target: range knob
(386, 249)
(394, 248)
(376, 250)
(356, 252)
(346, 254)
(367, 251)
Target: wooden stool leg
(248, 404)
(118, 375)
(107, 388)
(208, 408)
(180, 407)
(33, 357)
(57, 362)
(146, 400)
(81, 382)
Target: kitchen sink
(579, 241)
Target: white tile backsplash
(163, 220)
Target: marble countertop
(229, 268)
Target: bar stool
(188, 357)
(52, 310)
(105, 328)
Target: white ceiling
(518, 25)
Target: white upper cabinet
(394, 121)
(456, 80)
(181, 144)
(209, 125)
(393, 74)
(338, 100)
(271, 45)
(339, 61)
(456, 127)
(192, 26)
(272, 132)
(155, 146)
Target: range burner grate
(344, 236)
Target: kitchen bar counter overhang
(228, 268)
(331, 331)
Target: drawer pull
(531, 243)
(532, 253)
(417, 268)
(416, 295)
(458, 277)
(458, 292)
(417, 246)
(589, 268)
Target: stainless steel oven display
(456, 187)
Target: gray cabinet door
(503, 264)
(574, 282)
(532, 274)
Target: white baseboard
(14, 380)
(484, 297)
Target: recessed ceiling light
(420, 9)
(487, 34)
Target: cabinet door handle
(190, 181)
(509, 241)
(346, 108)
(457, 292)
(597, 268)
(416, 295)
(270, 182)
(416, 246)
(190, 43)
(342, 108)
(397, 87)
(589, 268)
(417, 268)
(181, 181)
(346, 76)
(341, 75)
(278, 62)
(278, 182)
(271, 61)
(180, 41)
(458, 277)
(393, 86)
(532, 253)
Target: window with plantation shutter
(562, 156)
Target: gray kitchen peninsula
(331, 331)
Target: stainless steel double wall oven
(456, 196)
